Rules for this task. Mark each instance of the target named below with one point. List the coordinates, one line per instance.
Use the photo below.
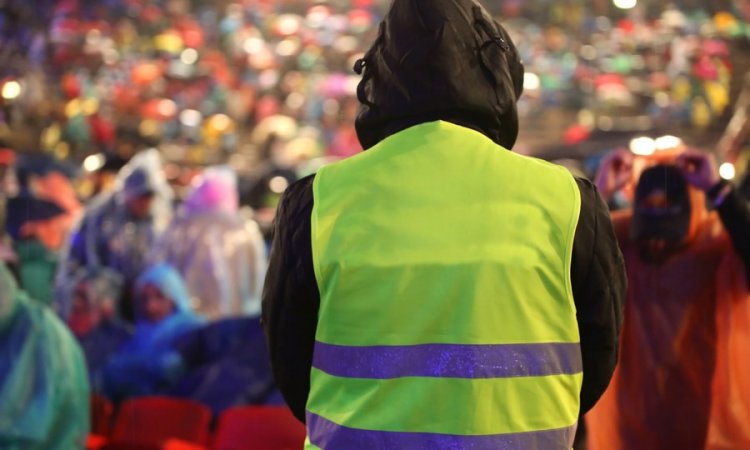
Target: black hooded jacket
(437, 60)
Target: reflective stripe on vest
(446, 318)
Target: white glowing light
(531, 81)
(727, 171)
(317, 16)
(191, 118)
(92, 163)
(110, 56)
(643, 146)
(625, 4)
(11, 90)
(268, 79)
(287, 47)
(295, 100)
(167, 108)
(189, 56)
(667, 143)
(288, 24)
(221, 122)
(253, 45)
(278, 184)
(662, 99)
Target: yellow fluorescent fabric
(439, 236)
(495, 406)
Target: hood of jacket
(439, 60)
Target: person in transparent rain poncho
(118, 229)
(44, 391)
(219, 252)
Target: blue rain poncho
(220, 254)
(149, 361)
(44, 392)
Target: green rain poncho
(44, 392)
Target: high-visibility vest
(446, 315)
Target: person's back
(428, 293)
(44, 395)
(463, 299)
(226, 364)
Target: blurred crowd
(209, 82)
(635, 73)
(159, 296)
(144, 146)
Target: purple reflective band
(330, 436)
(448, 360)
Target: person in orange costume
(685, 267)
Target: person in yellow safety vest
(438, 291)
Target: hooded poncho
(44, 392)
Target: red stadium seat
(150, 422)
(259, 428)
(101, 422)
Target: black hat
(27, 208)
(662, 205)
(439, 60)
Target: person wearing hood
(149, 361)
(93, 320)
(28, 215)
(683, 375)
(44, 392)
(41, 214)
(438, 290)
(119, 228)
(225, 263)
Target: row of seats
(162, 423)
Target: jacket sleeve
(291, 298)
(735, 215)
(599, 287)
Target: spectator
(41, 214)
(28, 216)
(684, 263)
(120, 227)
(225, 262)
(44, 393)
(149, 361)
(93, 320)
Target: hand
(699, 169)
(615, 172)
